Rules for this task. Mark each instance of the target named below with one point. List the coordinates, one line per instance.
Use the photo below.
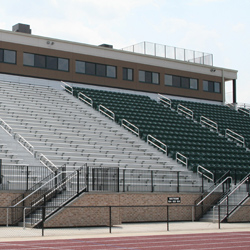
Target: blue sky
(220, 27)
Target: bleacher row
(198, 143)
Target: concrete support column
(234, 91)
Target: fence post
(178, 182)
(219, 215)
(87, 179)
(167, 218)
(110, 220)
(124, 180)
(118, 180)
(78, 182)
(43, 219)
(0, 171)
(27, 178)
(202, 181)
(152, 181)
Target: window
(128, 74)
(51, 62)
(63, 64)
(181, 82)
(168, 80)
(210, 86)
(149, 77)
(80, 67)
(8, 56)
(96, 69)
(46, 62)
(111, 71)
(28, 59)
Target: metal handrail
(244, 111)
(24, 143)
(6, 127)
(208, 122)
(112, 116)
(165, 100)
(68, 90)
(234, 135)
(180, 160)
(206, 170)
(45, 163)
(185, 110)
(131, 124)
(42, 186)
(214, 189)
(163, 144)
(88, 100)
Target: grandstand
(78, 120)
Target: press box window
(8, 56)
(180, 82)
(127, 74)
(148, 77)
(193, 83)
(111, 71)
(80, 67)
(210, 86)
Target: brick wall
(242, 214)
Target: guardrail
(205, 121)
(47, 163)
(182, 159)
(67, 87)
(85, 98)
(6, 127)
(157, 143)
(131, 127)
(186, 111)
(165, 100)
(107, 112)
(245, 111)
(24, 143)
(201, 172)
(236, 137)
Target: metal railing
(245, 111)
(101, 179)
(212, 196)
(47, 163)
(130, 126)
(21, 177)
(235, 198)
(236, 137)
(6, 127)
(157, 143)
(165, 100)
(85, 98)
(182, 159)
(211, 124)
(205, 172)
(186, 111)
(107, 112)
(24, 143)
(67, 87)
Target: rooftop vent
(106, 45)
(23, 28)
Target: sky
(219, 27)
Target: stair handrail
(206, 170)
(87, 99)
(209, 122)
(149, 141)
(178, 159)
(165, 100)
(24, 143)
(135, 129)
(52, 167)
(246, 178)
(185, 110)
(103, 110)
(230, 133)
(214, 189)
(6, 127)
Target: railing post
(118, 180)
(178, 182)
(219, 215)
(78, 181)
(0, 171)
(87, 179)
(27, 178)
(110, 220)
(124, 180)
(202, 183)
(152, 181)
(227, 205)
(43, 219)
(167, 218)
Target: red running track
(227, 241)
